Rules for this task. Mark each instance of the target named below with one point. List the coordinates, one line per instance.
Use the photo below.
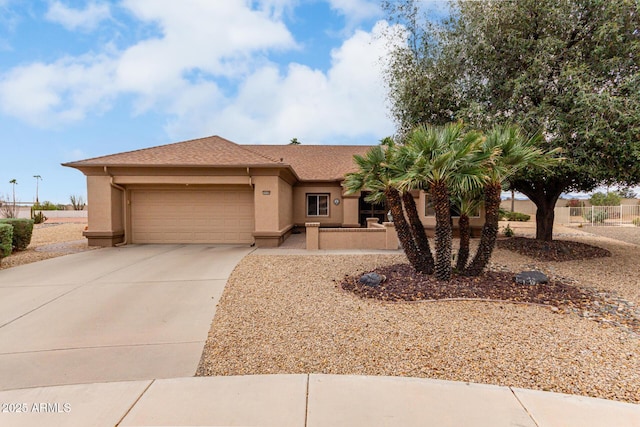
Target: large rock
(372, 279)
(531, 278)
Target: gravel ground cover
(625, 234)
(289, 314)
(49, 241)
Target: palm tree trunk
(441, 205)
(465, 238)
(489, 230)
(419, 235)
(402, 228)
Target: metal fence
(605, 215)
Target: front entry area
(220, 215)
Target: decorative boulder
(372, 279)
(531, 278)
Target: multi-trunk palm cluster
(454, 165)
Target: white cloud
(208, 72)
(356, 10)
(85, 19)
(345, 104)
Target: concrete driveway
(130, 313)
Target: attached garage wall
(203, 215)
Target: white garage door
(192, 216)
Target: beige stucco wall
(106, 213)
(334, 190)
(351, 210)
(285, 204)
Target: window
(317, 205)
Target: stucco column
(105, 216)
(350, 211)
(371, 221)
(391, 235)
(313, 235)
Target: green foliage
(601, 199)
(6, 239)
(568, 70)
(596, 217)
(636, 222)
(45, 206)
(39, 218)
(506, 215)
(508, 231)
(22, 231)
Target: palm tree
(515, 152)
(467, 204)
(376, 171)
(444, 155)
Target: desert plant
(38, 217)
(636, 222)
(22, 231)
(77, 202)
(596, 217)
(6, 208)
(6, 240)
(508, 231)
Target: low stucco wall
(380, 236)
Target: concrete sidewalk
(306, 401)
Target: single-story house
(212, 190)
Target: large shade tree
(568, 69)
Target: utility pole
(14, 183)
(38, 179)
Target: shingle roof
(309, 162)
(314, 162)
(210, 151)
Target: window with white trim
(317, 205)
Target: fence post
(592, 212)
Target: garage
(211, 215)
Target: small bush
(515, 216)
(508, 231)
(636, 222)
(22, 230)
(39, 218)
(575, 203)
(45, 206)
(6, 240)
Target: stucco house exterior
(212, 190)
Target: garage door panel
(192, 216)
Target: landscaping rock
(372, 279)
(531, 278)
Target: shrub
(575, 203)
(517, 216)
(39, 218)
(22, 230)
(6, 240)
(598, 216)
(508, 231)
(636, 222)
(45, 206)
(601, 199)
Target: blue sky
(80, 79)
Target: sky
(80, 79)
